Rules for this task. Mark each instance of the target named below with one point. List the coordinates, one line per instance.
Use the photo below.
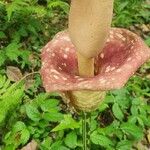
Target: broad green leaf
(49, 104)
(58, 146)
(107, 130)
(25, 135)
(102, 140)
(11, 99)
(2, 35)
(140, 121)
(33, 113)
(134, 110)
(3, 57)
(147, 41)
(117, 111)
(67, 123)
(53, 117)
(46, 143)
(124, 145)
(132, 130)
(18, 126)
(102, 107)
(71, 140)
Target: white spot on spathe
(66, 38)
(55, 76)
(48, 49)
(55, 71)
(59, 68)
(132, 47)
(111, 32)
(107, 69)
(113, 68)
(111, 36)
(102, 81)
(43, 63)
(67, 49)
(47, 45)
(129, 59)
(64, 78)
(108, 40)
(76, 77)
(80, 79)
(55, 42)
(102, 55)
(53, 54)
(65, 56)
(113, 79)
(64, 64)
(119, 35)
(118, 70)
(132, 41)
(123, 38)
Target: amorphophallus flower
(91, 58)
(123, 53)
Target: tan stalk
(89, 24)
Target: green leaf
(2, 35)
(132, 130)
(49, 104)
(103, 107)
(60, 4)
(46, 143)
(67, 123)
(134, 110)
(147, 41)
(56, 145)
(9, 101)
(102, 140)
(124, 145)
(107, 130)
(2, 58)
(18, 126)
(15, 5)
(117, 112)
(33, 113)
(12, 51)
(53, 117)
(23, 32)
(71, 140)
(25, 135)
(10, 8)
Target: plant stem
(84, 130)
(86, 121)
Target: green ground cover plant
(122, 122)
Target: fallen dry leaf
(140, 146)
(148, 136)
(31, 146)
(13, 73)
(29, 80)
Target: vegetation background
(27, 113)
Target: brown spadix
(89, 25)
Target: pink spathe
(122, 55)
